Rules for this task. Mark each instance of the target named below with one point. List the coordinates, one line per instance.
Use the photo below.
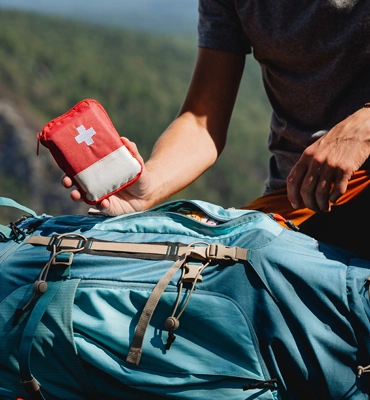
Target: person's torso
(315, 59)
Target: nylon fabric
(296, 310)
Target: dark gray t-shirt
(315, 60)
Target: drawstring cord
(361, 370)
(172, 322)
(194, 259)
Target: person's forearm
(181, 155)
(196, 138)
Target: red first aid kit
(87, 147)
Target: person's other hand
(133, 198)
(321, 175)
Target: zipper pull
(288, 223)
(38, 143)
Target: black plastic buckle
(17, 232)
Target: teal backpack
(187, 300)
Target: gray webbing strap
(211, 251)
(146, 315)
(119, 247)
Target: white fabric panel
(108, 174)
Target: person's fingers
(322, 193)
(330, 188)
(104, 205)
(76, 195)
(318, 191)
(339, 188)
(308, 191)
(132, 148)
(66, 181)
(294, 182)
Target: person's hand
(133, 198)
(321, 175)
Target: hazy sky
(160, 15)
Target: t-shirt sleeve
(219, 27)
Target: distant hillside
(49, 64)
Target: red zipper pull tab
(38, 143)
(277, 217)
(287, 222)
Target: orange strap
(277, 202)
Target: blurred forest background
(139, 73)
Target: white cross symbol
(85, 135)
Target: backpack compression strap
(211, 251)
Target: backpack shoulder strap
(5, 201)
